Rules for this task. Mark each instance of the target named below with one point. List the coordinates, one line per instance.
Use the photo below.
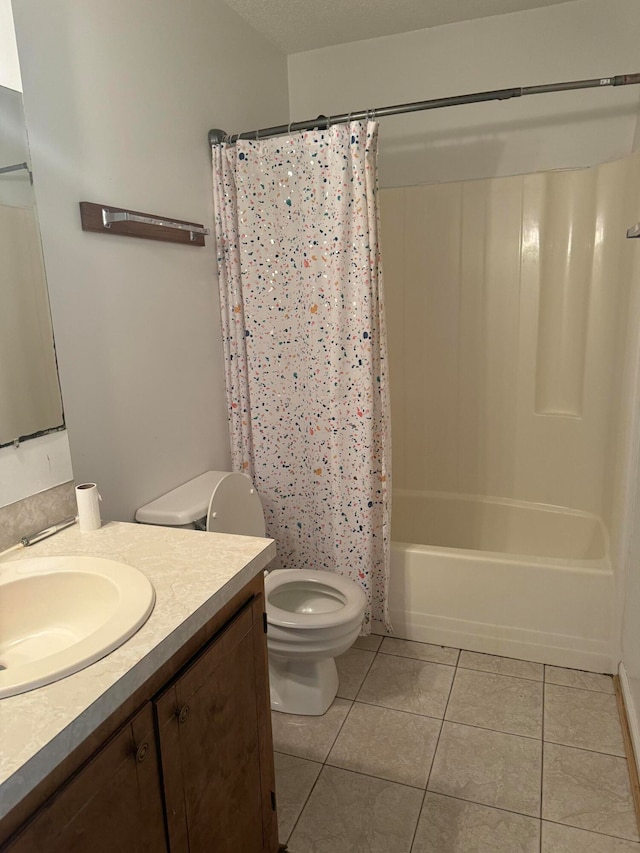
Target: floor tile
(420, 651)
(566, 839)
(582, 718)
(295, 778)
(577, 678)
(352, 668)
(309, 737)
(491, 768)
(453, 826)
(408, 685)
(347, 812)
(501, 666)
(497, 702)
(390, 744)
(588, 790)
(370, 643)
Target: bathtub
(504, 577)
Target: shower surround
(506, 307)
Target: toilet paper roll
(88, 500)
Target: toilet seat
(311, 591)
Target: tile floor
(433, 750)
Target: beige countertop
(194, 574)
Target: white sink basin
(60, 614)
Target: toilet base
(305, 687)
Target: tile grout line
(463, 800)
(323, 765)
(364, 678)
(433, 757)
(541, 680)
(304, 805)
(455, 666)
(444, 713)
(457, 723)
(415, 830)
(592, 831)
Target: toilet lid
(235, 507)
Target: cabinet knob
(142, 752)
(183, 713)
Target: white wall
(119, 97)
(581, 39)
(9, 66)
(34, 466)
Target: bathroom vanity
(165, 744)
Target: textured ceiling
(297, 25)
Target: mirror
(30, 401)
(34, 451)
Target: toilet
(312, 616)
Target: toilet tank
(227, 502)
(183, 506)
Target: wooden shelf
(94, 217)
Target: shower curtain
(305, 346)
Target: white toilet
(312, 616)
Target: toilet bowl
(312, 616)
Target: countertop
(194, 574)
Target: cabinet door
(113, 803)
(215, 748)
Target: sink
(61, 614)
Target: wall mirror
(30, 401)
(34, 452)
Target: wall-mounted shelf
(106, 219)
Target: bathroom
(120, 113)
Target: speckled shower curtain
(305, 346)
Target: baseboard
(504, 640)
(630, 733)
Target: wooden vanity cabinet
(112, 803)
(209, 727)
(192, 770)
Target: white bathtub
(503, 577)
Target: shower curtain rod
(216, 136)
